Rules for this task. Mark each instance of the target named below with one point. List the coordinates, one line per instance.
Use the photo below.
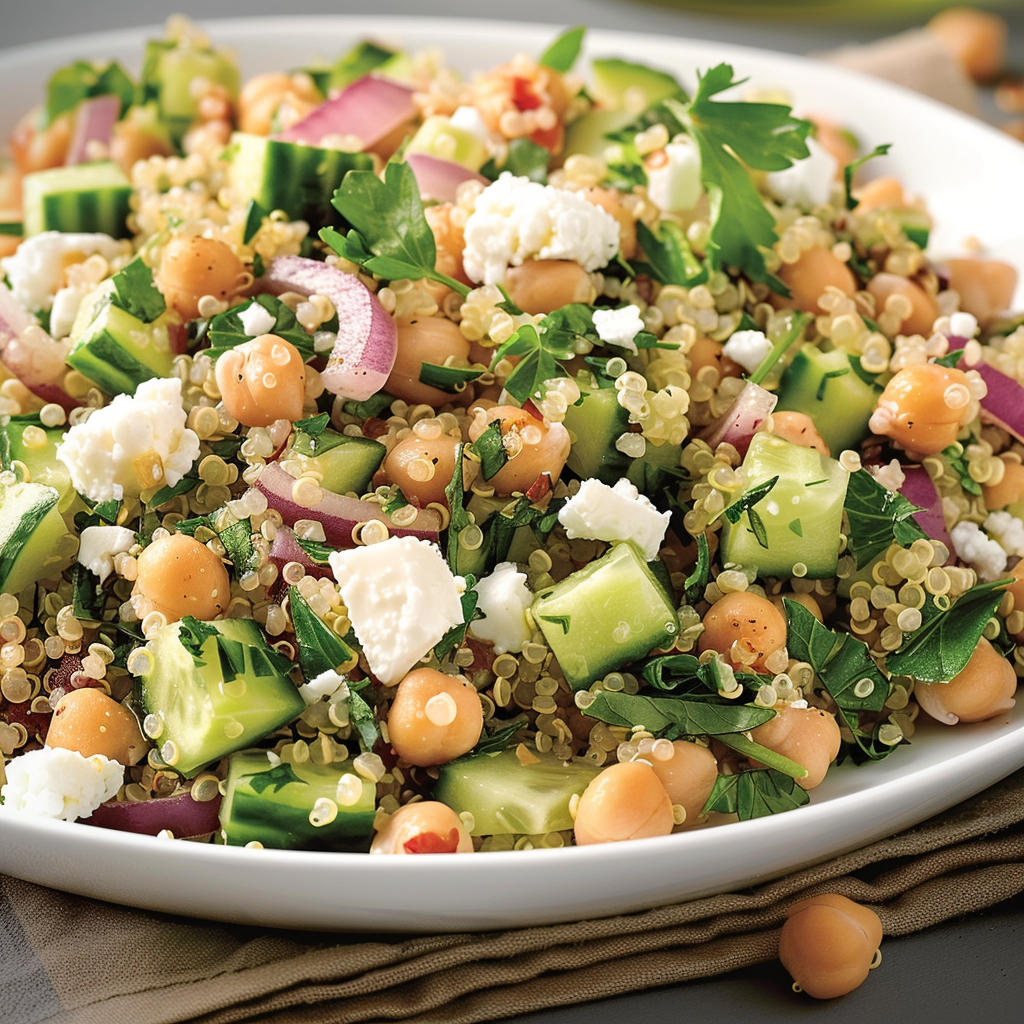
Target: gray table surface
(966, 968)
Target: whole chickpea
(798, 428)
(276, 99)
(133, 139)
(625, 801)
(262, 381)
(808, 736)
(828, 944)
(807, 600)
(89, 721)
(38, 149)
(193, 267)
(611, 202)
(542, 286)
(985, 287)
(923, 407)
(179, 576)
(534, 446)
(1016, 588)
(1010, 488)
(427, 339)
(982, 689)
(426, 826)
(745, 629)
(923, 308)
(688, 776)
(422, 467)
(814, 272)
(434, 717)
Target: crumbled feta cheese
(256, 320)
(401, 598)
(619, 326)
(97, 546)
(52, 782)
(327, 684)
(600, 512)
(963, 325)
(66, 304)
(748, 348)
(890, 475)
(134, 443)
(972, 546)
(468, 119)
(808, 182)
(673, 176)
(502, 599)
(1007, 530)
(515, 219)
(35, 271)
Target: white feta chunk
(673, 176)
(808, 182)
(66, 304)
(963, 325)
(468, 119)
(748, 348)
(97, 546)
(1007, 530)
(984, 555)
(401, 598)
(619, 326)
(599, 512)
(515, 219)
(134, 443)
(257, 320)
(328, 684)
(502, 599)
(35, 271)
(52, 782)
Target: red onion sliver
(179, 814)
(438, 179)
(1004, 403)
(285, 548)
(743, 419)
(919, 490)
(364, 353)
(94, 122)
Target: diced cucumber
(507, 797)
(33, 536)
(437, 136)
(610, 612)
(800, 517)
(834, 391)
(275, 805)
(596, 423)
(363, 58)
(201, 717)
(656, 468)
(616, 82)
(85, 197)
(38, 454)
(290, 176)
(345, 463)
(587, 134)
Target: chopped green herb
(83, 80)
(878, 517)
(669, 257)
(491, 449)
(136, 293)
(452, 379)
(851, 169)
(278, 777)
(683, 717)
(523, 158)
(320, 648)
(825, 378)
(754, 794)
(954, 455)
(562, 54)
(226, 330)
(254, 214)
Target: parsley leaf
(226, 330)
(491, 449)
(854, 165)
(676, 714)
(669, 258)
(524, 158)
(754, 794)
(954, 455)
(455, 636)
(320, 648)
(698, 579)
(561, 55)
(88, 595)
(83, 80)
(276, 778)
(878, 517)
(136, 293)
(673, 672)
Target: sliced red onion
(743, 419)
(1004, 403)
(438, 179)
(285, 548)
(370, 109)
(180, 814)
(338, 514)
(919, 490)
(94, 122)
(367, 343)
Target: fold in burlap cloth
(77, 961)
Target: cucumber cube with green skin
(595, 424)
(438, 137)
(587, 135)
(800, 517)
(276, 805)
(85, 197)
(33, 536)
(200, 717)
(507, 797)
(834, 391)
(290, 176)
(616, 81)
(117, 351)
(38, 454)
(610, 612)
(345, 463)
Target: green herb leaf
(561, 55)
(320, 648)
(698, 579)
(452, 379)
(373, 406)
(83, 80)
(136, 293)
(278, 777)
(669, 257)
(951, 360)
(763, 755)
(254, 214)
(88, 595)
(364, 721)
(954, 455)
(502, 737)
(523, 158)
(459, 518)
(754, 794)
(684, 717)
(12, 228)
(313, 426)
(185, 485)
(491, 449)
(226, 330)
(674, 672)
(501, 527)
(851, 169)
(455, 636)
(878, 517)
(797, 323)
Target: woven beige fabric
(146, 968)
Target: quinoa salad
(407, 462)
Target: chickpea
(38, 149)
(428, 339)
(923, 308)
(923, 407)
(534, 447)
(193, 267)
(814, 272)
(798, 428)
(434, 717)
(745, 629)
(262, 381)
(625, 801)
(542, 286)
(449, 242)
(89, 721)
(808, 736)
(1016, 588)
(179, 576)
(422, 468)
(983, 688)
(828, 944)
(688, 777)
(132, 140)
(977, 39)
(1010, 488)
(885, 193)
(276, 100)
(611, 202)
(836, 141)
(985, 287)
(426, 826)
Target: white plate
(971, 176)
